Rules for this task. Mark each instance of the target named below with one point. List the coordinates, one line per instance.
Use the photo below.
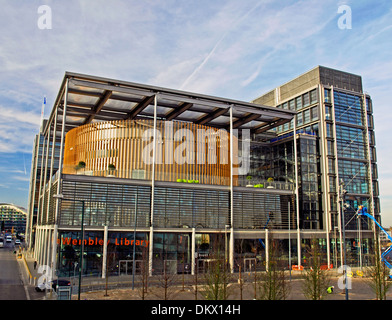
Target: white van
(9, 239)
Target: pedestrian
(35, 265)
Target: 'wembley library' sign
(99, 242)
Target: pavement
(32, 275)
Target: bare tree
(240, 263)
(167, 282)
(316, 278)
(144, 274)
(378, 275)
(194, 287)
(273, 283)
(217, 275)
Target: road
(11, 285)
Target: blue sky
(233, 49)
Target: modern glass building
(336, 151)
(12, 218)
(35, 180)
(179, 176)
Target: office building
(336, 152)
(176, 176)
(12, 218)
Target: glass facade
(190, 208)
(70, 247)
(310, 183)
(104, 204)
(119, 252)
(174, 207)
(12, 219)
(261, 211)
(196, 212)
(171, 253)
(354, 141)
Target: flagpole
(42, 111)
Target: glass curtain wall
(171, 253)
(310, 183)
(352, 153)
(69, 248)
(119, 252)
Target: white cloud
(234, 49)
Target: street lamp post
(61, 196)
(226, 226)
(342, 195)
(289, 240)
(134, 245)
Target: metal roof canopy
(93, 99)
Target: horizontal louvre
(114, 205)
(105, 204)
(262, 211)
(176, 207)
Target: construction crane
(362, 211)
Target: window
(356, 173)
(370, 121)
(333, 203)
(374, 171)
(138, 174)
(351, 142)
(329, 130)
(306, 116)
(328, 115)
(348, 108)
(368, 105)
(371, 137)
(330, 148)
(298, 102)
(292, 104)
(331, 165)
(327, 95)
(306, 99)
(314, 113)
(299, 119)
(313, 96)
(332, 185)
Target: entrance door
(124, 267)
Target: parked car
(58, 282)
(17, 242)
(1, 243)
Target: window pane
(313, 96)
(299, 119)
(306, 99)
(307, 116)
(327, 95)
(298, 102)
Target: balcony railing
(240, 181)
(263, 183)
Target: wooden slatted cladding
(184, 151)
